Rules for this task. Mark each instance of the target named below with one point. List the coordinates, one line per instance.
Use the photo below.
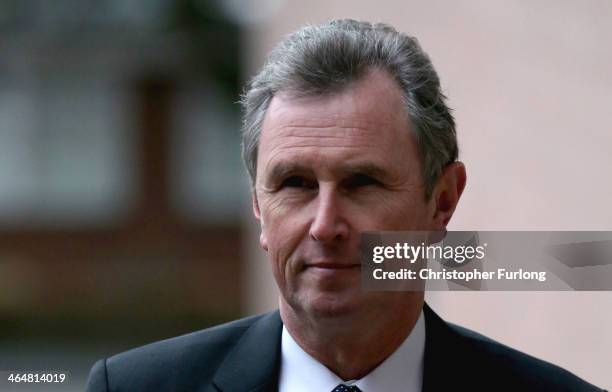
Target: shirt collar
(401, 371)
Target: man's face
(328, 169)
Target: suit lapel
(254, 363)
(444, 356)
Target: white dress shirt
(401, 371)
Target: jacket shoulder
(171, 364)
(493, 361)
(212, 340)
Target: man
(345, 130)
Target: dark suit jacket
(244, 355)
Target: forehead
(366, 119)
(375, 99)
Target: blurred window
(208, 181)
(65, 148)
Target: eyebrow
(368, 169)
(284, 169)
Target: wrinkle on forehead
(348, 130)
(335, 155)
(285, 137)
(374, 101)
(367, 119)
(317, 118)
(344, 143)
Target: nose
(329, 224)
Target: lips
(333, 266)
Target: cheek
(400, 212)
(284, 231)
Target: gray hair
(323, 59)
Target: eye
(360, 180)
(297, 182)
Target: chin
(333, 305)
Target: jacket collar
(254, 363)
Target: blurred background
(124, 208)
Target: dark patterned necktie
(346, 388)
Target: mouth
(333, 266)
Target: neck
(353, 345)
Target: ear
(263, 241)
(447, 192)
